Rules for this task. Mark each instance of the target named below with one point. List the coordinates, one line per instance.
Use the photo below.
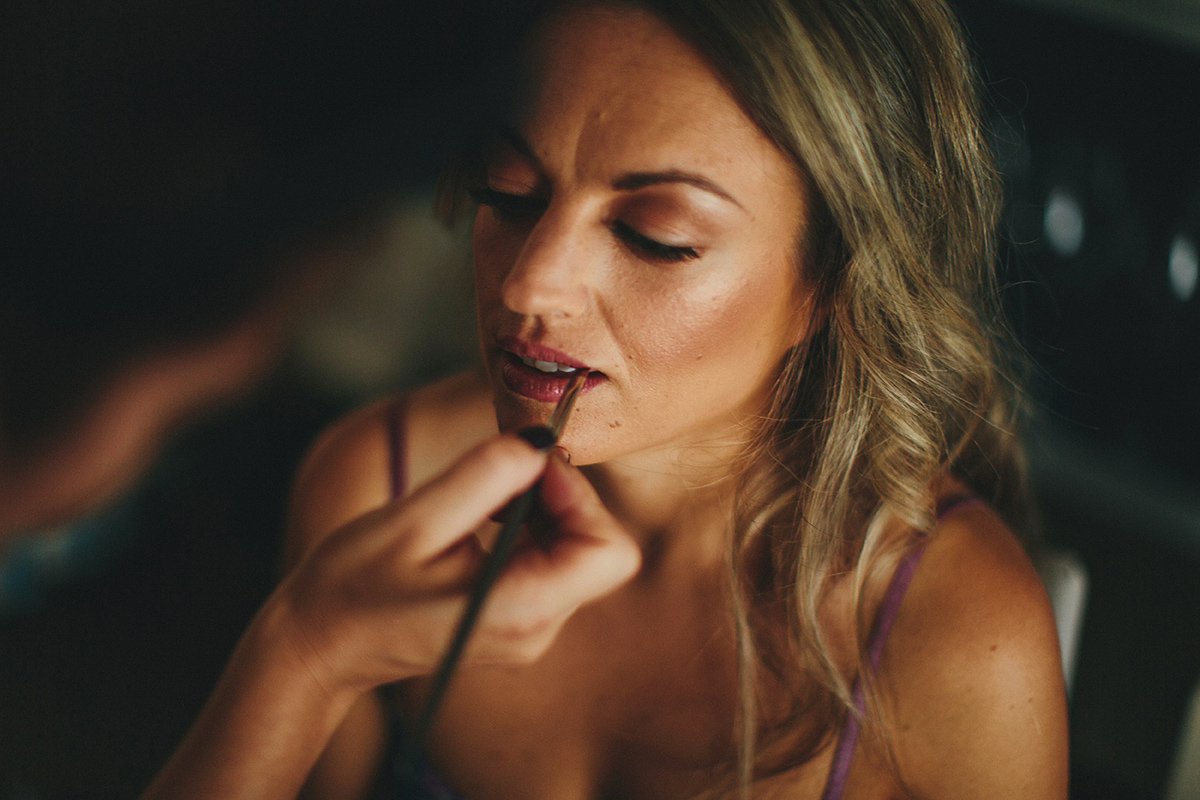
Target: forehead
(604, 48)
(619, 81)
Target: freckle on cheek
(616, 423)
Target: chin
(514, 412)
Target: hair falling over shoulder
(910, 374)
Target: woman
(765, 229)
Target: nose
(550, 274)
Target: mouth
(548, 367)
(540, 373)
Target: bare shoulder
(971, 674)
(445, 420)
(348, 470)
(345, 474)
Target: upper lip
(538, 352)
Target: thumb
(571, 504)
(591, 554)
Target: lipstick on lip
(538, 352)
(538, 372)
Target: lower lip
(526, 381)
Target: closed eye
(651, 249)
(507, 206)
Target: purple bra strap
(954, 502)
(885, 617)
(396, 447)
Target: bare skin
(375, 603)
(685, 294)
(635, 692)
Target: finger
(457, 501)
(451, 573)
(571, 505)
(541, 590)
(591, 554)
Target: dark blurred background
(1096, 116)
(261, 121)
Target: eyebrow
(640, 180)
(634, 180)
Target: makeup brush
(493, 565)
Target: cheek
(679, 329)
(743, 326)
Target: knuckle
(532, 651)
(520, 632)
(500, 451)
(525, 637)
(532, 645)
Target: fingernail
(562, 453)
(539, 437)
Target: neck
(674, 499)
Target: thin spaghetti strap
(884, 619)
(397, 450)
(951, 503)
(842, 756)
(889, 609)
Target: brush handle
(542, 438)
(492, 567)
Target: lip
(539, 352)
(526, 381)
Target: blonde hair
(909, 377)
(907, 374)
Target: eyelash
(514, 207)
(654, 250)
(508, 207)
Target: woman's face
(638, 224)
